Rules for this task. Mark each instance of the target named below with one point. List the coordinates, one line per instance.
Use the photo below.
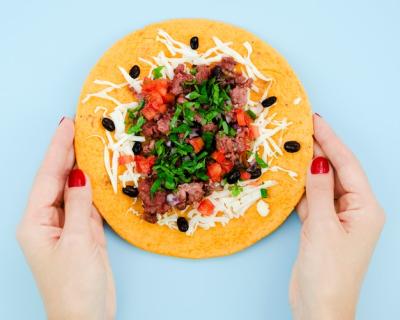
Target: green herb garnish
(157, 72)
(264, 193)
(260, 161)
(251, 114)
(137, 126)
(235, 190)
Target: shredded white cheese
(297, 101)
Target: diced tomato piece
(206, 207)
(149, 113)
(162, 108)
(254, 132)
(227, 166)
(242, 118)
(125, 159)
(169, 98)
(218, 156)
(156, 96)
(157, 85)
(143, 164)
(245, 175)
(197, 144)
(214, 171)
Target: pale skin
(63, 240)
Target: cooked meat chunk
(180, 77)
(203, 73)
(150, 130)
(152, 205)
(163, 124)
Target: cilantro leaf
(157, 72)
(235, 190)
(137, 126)
(155, 186)
(251, 114)
(260, 161)
(264, 193)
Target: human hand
(342, 221)
(63, 240)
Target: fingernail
(319, 165)
(317, 114)
(76, 178)
(61, 120)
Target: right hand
(342, 221)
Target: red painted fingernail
(76, 178)
(61, 120)
(317, 114)
(320, 165)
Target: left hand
(63, 239)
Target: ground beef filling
(197, 133)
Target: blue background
(345, 52)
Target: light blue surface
(347, 55)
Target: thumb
(320, 188)
(77, 203)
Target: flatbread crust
(238, 233)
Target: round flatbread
(240, 233)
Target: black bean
(137, 147)
(194, 43)
(108, 124)
(135, 71)
(255, 171)
(233, 176)
(291, 146)
(216, 72)
(183, 224)
(268, 101)
(130, 191)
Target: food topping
(108, 124)
(183, 224)
(194, 43)
(130, 191)
(135, 71)
(268, 102)
(291, 146)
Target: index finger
(50, 181)
(348, 168)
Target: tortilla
(238, 233)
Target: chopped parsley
(137, 126)
(264, 193)
(260, 161)
(235, 190)
(157, 72)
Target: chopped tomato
(197, 144)
(254, 132)
(206, 207)
(214, 171)
(157, 85)
(245, 175)
(125, 159)
(227, 166)
(242, 118)
(169, 98)
(218, 156)
(149, 113)
(156, 96)
(143, 164)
